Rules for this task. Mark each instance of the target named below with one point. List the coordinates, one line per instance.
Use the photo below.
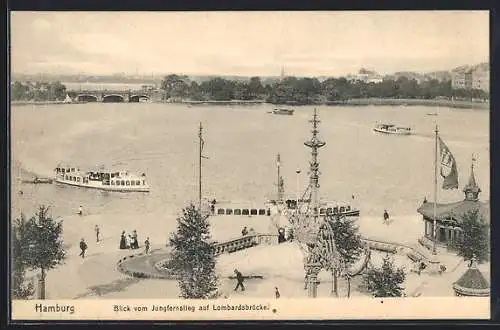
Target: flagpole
(435, 189)
(199, 178)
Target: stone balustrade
(411, 252)
(244, 242)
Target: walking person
(277, 292)
(386, 217)
(96, 233)
(146, 244)
(239, 278)
(80, 210)
(244, 232)
(135, 240)
(83, 248)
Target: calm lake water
(384, 172)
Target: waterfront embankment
(36, 102)
(420, 102)
(352, 102)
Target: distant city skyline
(246, 43)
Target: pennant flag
(201, 140)
(448, 167)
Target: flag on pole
(448, 166)
(278, 159)
(202, 142)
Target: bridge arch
(137, 97)
(113, 98)
(86, 98)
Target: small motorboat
(38, 180)
(432, 114)
(283, 111)
(392, 129)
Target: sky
(246, 43)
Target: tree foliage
(348, 244)
(474, 240)
(193, 255)
(42, 244)
(39, 91)
(385, 281)
(347, 238)
(19, 289)
(305, 90)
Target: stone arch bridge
(111, 96)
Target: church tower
(472, 190)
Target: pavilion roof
(472, 283)
(455, 210)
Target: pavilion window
(253, 211)
(237, 212)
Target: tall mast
(278, 165)
(435, 188)
(314, 143)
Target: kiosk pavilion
(449, 216)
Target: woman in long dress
(123, 241)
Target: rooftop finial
(473, 262)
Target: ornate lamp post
(311, 224)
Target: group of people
(129, 241)
(132, 242)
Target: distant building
(441, 76)
(449, 217)
(481, 77)
(461, 78)
(366, 76)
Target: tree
(19, 289)
(175, 86)
(19, 91)
(193, 256)
(43, 244)
(255, 87)
(347, 242)
(57, 91)
(385, 281)
(474, 240)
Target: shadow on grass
(103, 289)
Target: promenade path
(97, 275)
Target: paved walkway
(145, 263)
